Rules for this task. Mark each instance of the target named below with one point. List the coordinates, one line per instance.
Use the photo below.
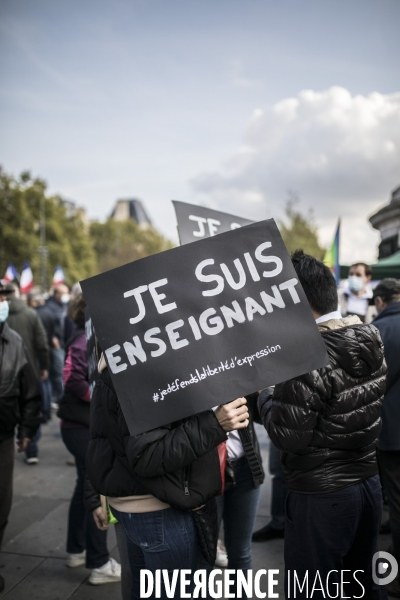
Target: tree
(300, 232)
(119, 242)
(66, 231)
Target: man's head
(318, 283)
(359, 275)
(61, 294)
(35, 298)
(386, 292)
(13, 290)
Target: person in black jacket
(153, 479)
(387, 302)
(326, 423)
(20, 403)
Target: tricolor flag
(11, 274)
(59, 276)
(26, 281)
(332, 255)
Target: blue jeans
(238, 508)
(82, 531)
(333, 532)
(279, 488)
(56, 372)
(46, 392)
(163, 539)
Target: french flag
(11, 274)
(59, 276)
(26, 281)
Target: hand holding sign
(233, 415)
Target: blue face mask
(4, 310)
(356, 284)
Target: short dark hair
(367, 268)
(388, 289)
(76, 310)
(318, 282)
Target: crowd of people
(183, 496)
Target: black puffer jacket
(177, 464)
(327, 422)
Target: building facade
(131, 209)
(387, 221)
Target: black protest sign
(91, 351)
(198, 222)
(203, 324)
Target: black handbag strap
(252, 458)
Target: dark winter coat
(49, 322)
(327, 422)
(27, 323)
(58, 311)
(388, 323)
(20, 399)
(178, 463)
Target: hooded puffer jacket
(177, 463)
(327, 422)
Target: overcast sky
(224, 103)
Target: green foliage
(81, 249)
(119, 242)
(66, 234)
(300, 232)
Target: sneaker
(267, 533)
(76, 560)
(108, 573)
(31, 460)
(222, 557)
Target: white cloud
(340, 152)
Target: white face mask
(356, 284)
(65, 298)
(4, 310)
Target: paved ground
(33, 557)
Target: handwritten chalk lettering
(137, 294)
(238, 280)
(210, 322)
(213, 225)
(208, 371)
(186, 329)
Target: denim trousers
(45, 391)
(163, 539)
(279, 488)
(56, 372)
(334, 532)
(238, 508)
(82, 530)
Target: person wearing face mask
(20, 403)
(58, 303)
(387, 302)
(357, 298)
